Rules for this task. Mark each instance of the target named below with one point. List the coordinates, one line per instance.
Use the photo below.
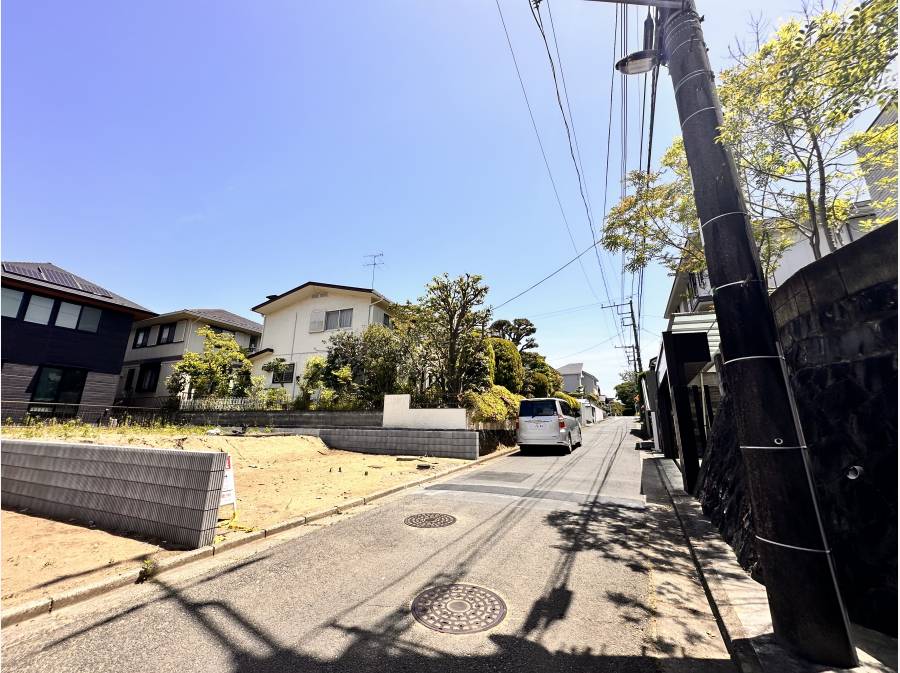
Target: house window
(59, 384)
(338, 319)
(386, 320)
(148, 377)
(284, 377)
(140, 337)
(129, 380)
(166, 333)
(12, 300)
(76, 316)
(39, 309)
(253, 343)
(90, 319)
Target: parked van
(548, 421)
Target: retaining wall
(283, 419)
(166, 493)
(397, 442)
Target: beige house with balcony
(156, 344)
(298, 323)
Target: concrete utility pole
(808, 614)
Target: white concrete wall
(287, 330)
(397, 414)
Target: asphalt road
(589, 564)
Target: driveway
(583, 568)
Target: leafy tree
(629, 392)
(508, 371)
(449, 324)
(519, 331)
(222, 369)
(372, 361)
(658, 221)
(537, 369)
(790, 110)
(277, 367)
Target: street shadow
(396, 642)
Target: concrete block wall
(169, 494)
(399, 442)
(397, 414)
(283, 419)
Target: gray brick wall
(100, 389)
(395, 442)
(166, 493)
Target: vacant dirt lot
(276, 478)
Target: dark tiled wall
(398, 442)
(170, 494)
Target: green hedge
(496, 405)
(508, 371)
(575, 404)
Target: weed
(149, 568)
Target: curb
(42, 606)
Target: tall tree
(520, 331)
(791, 112)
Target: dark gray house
(63, 341)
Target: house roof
(48, 275)
(572, 368)
(349, 288)
(218, 316)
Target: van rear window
(537, 408)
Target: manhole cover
(430, 520)
(458, 608)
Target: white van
(548, 421)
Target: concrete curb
(42, 606)
(740, 605)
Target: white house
(156, 344)
(576, 379)
(298, 323)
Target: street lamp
(639, 62)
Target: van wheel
(569, 444)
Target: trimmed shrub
(575, 404)
(537, 384)
(496, 405)
(508, 370)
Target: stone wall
(403, 442)
(837, 321)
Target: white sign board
(228, 495)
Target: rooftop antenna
(374, 264)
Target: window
(253, 344)
(386, 320)
(166, 333)
(534, 408)
(39, 309)
(148, 377)
(129, 380)
(287, 376)
(140, 337)
(12, 300)
(59, 384)
(67, 315)
(339, 319)
(90, 319)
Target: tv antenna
(376, 262)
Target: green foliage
(373, 361)
(540, 378)
(629, 393)
(574, 403)
(221, 370)
(443, 340)
(519, 331)
(790, 111)
(496, 405)
(508, 371)
(277, 367)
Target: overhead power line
(541, 145)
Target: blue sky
(206, 154)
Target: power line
(541, 145)
(549, 276)
(585, 350)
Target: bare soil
(276, 478)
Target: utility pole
(634, 327)
(808, 614)
(374, 263)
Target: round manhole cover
(458, 608)
(430, 520)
